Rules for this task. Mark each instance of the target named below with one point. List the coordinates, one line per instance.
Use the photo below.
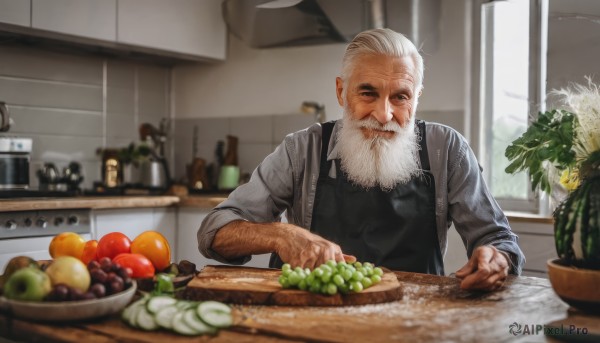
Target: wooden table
(432, 309)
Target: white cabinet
(34, 247)
(85, 18)
(133, 221)
(537, 243)
(189, 220)
(15, 12)
(190, 27)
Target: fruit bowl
(68, 310)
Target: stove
(44, 223)
(29, 233)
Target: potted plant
(561, 149)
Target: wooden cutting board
(259, 286)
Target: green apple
(16, 263)
(69, 271)
(29, 284)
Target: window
(505, 81)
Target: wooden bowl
(577, 287)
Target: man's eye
(369, 94)
(401, 97)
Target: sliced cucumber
(164, 316)
(145, 320)
(215, 314)
(181, 327)
(133, 309)
(190, 317)
(154, 304)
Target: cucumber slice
(181, 327)
(215, 314)
(134, 309)
(145, 320)
(190, 317)
(154, 304)
(164, 316)
(184, 304)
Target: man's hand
(486, 270)
(293, 244)
(301, 248)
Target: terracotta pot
(577, 287)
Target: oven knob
(59, 221)
(41, 222)
(73, 220)
(28, 222)
(10, 224)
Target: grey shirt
(287, 180)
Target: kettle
(5, 117)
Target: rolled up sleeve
(263, 199)
(476, 215)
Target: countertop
(433, 309)
(111, 202)
(206, 201)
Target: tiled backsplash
(70, 105)
(258, 136)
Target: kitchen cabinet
(189, 220)
(95, 19)
(15, 12)
(133, 221)
(188, 27)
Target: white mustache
(372, 123)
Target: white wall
(275, 81)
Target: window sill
(514, 216)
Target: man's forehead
(369, 68)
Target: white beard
(378, 161)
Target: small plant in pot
(561, 149)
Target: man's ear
(420, 91)
(339, 89)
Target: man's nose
(383, 111)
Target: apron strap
(423, 155)
(325, 137)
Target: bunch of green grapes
(331, 277)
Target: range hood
(282, 23)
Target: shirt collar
(333, 151)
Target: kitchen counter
(433, 308)
(101, 202)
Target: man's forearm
(242, 238)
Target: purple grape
(98, 289)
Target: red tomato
(155, 247)
(140, 266)
(113, 244)
(89, 251)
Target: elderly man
(377, 185)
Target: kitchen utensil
(68, 311)
(258, 286)
(154, 173)
(229, 177)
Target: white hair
(381, 42)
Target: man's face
(382, 88)
(378, 143)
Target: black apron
(395, 229)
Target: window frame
(536, 202)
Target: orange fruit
(155, 247)
(89, 251)
(67, 244)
